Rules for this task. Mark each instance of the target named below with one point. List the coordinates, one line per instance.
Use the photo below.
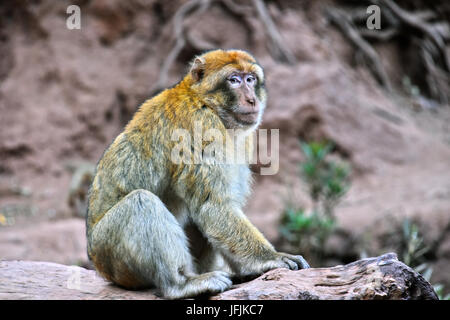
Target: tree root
(189, 8)
(429, 38)
(339, 18)
(183, 37)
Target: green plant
(326, 181)
(439, 289)
(412, 249)
(412, 244)
(312, 228)
(410, 88)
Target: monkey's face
(232, 84)
(246, 109)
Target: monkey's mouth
(247, 117)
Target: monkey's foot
(206, 283)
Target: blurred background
(361, 101)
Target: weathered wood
(30, 280)
(382, 277)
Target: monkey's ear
(198, 68)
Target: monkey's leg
(139, 243)
(206, 258)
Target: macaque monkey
(179, 226)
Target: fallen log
(382, 277)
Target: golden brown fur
(143, 206)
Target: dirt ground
(65, 94)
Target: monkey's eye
(235, 80)
(251, 80)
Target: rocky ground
(65, 94)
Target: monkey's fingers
(223, 278)
(301, 262)
(292, 265)
(294, 262)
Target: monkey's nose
(251, 101)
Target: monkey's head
(231, 83)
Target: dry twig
(182, 37)
(428, 37)
(339, 18)
(280, 52)
(191, 7)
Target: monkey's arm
(243, 246)
(220, 218)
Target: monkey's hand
(290, 261)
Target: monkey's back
(139, 158)
(126, 165)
